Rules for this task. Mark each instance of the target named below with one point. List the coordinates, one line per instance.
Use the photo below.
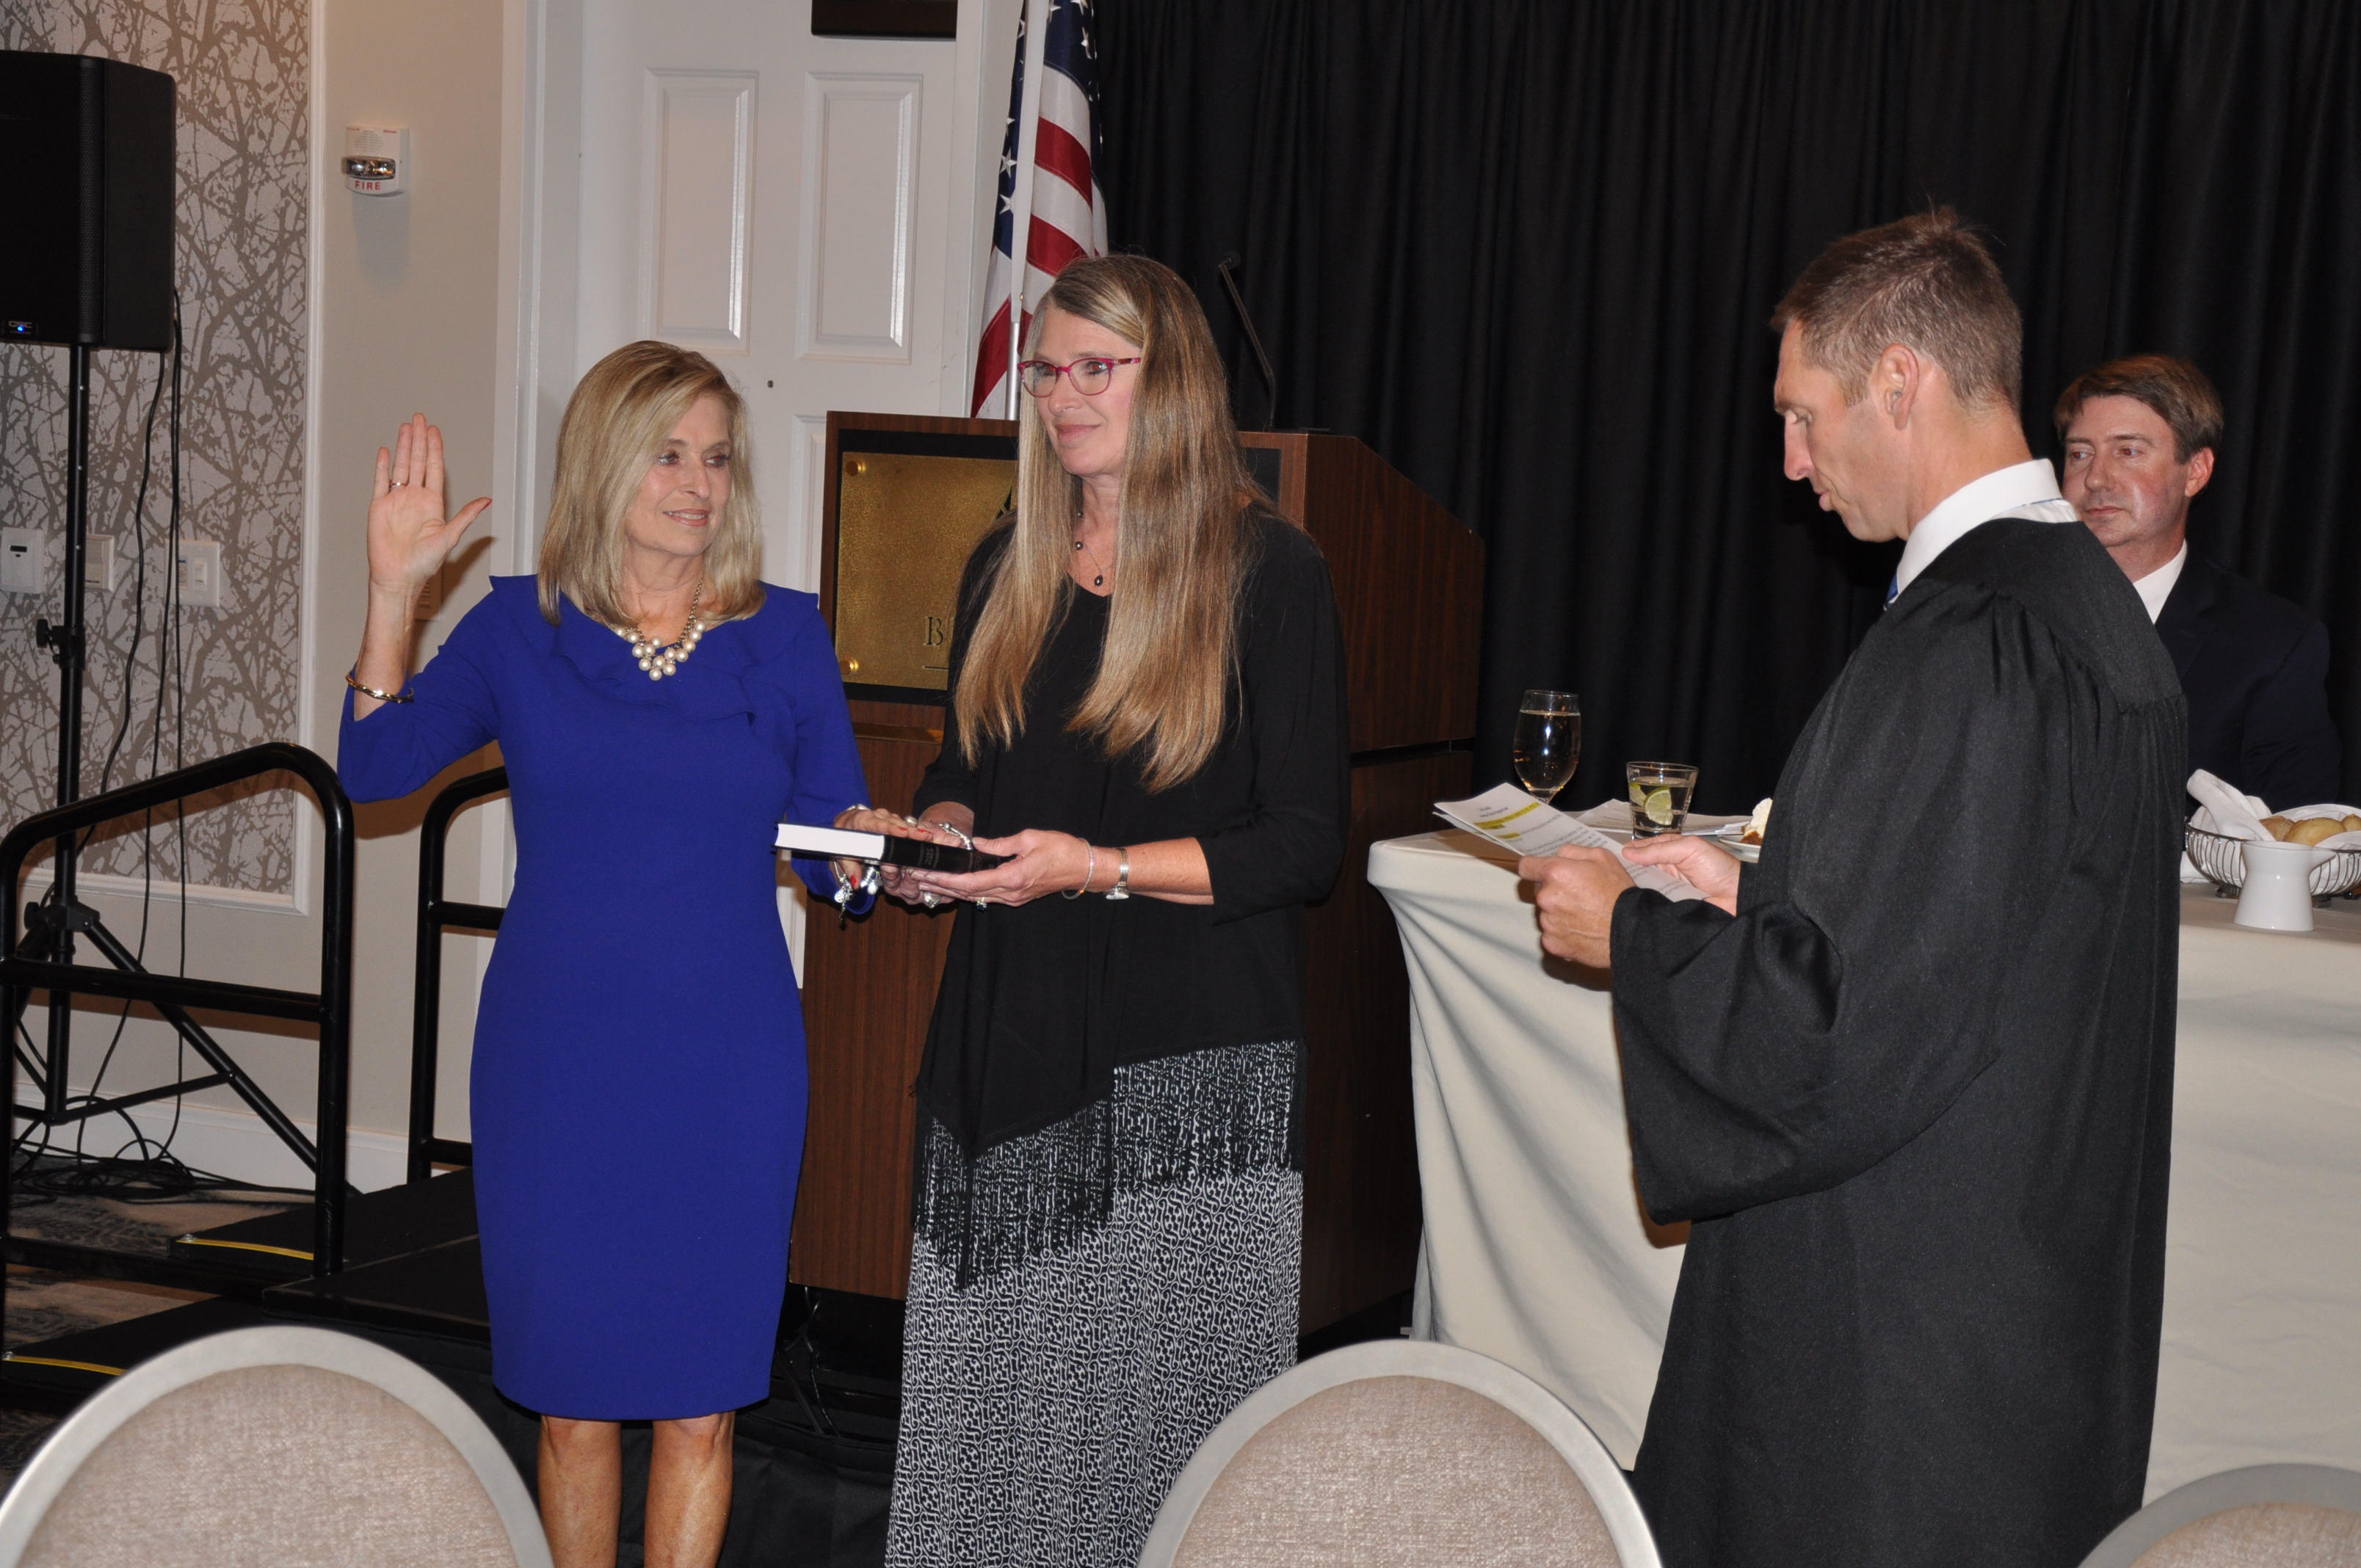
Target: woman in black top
(1147, 712)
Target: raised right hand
(409, 536)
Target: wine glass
(1548, 741)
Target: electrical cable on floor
(48, 1172)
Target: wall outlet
(200, 567)
(24, 560)
(100, 563)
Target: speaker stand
(51, 924)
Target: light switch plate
(23, 560)
(100, 564)
(201, 573)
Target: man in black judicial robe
(1911, 1075)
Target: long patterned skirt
(1086, 1303)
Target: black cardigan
(1040, 1003)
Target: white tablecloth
(1537, 1250)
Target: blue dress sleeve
(455, 711)
(828, 771)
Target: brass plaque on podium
(904, 524)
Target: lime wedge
(1639, 795)
(1659, 806)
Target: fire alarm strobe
(376, 160)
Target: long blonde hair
(1181, 540)
(616, 426)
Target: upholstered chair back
(1401, 1455)
(2267, 1516)
(245, 1449)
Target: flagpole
(1020, 231)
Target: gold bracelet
(353, 680)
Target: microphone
(1270, 375)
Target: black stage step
(835, 1378)
(379, 1225)
(437, 1290)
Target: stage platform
(392, 1222)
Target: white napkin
(1612, 815)
(2226, 811)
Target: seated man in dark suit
(2139, 437)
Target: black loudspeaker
(86, 179)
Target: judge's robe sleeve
(1920, 827)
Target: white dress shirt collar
(2157, 587)
(2028, 489)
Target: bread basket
(2218, 855)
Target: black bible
(881, 849)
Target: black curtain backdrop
(1526, 249)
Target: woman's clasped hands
(1040, 862)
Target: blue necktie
(1894, 590)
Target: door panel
(696, 164)
(788, 204)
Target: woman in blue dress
(637, 1091)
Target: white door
(802, 209)
(810, 211)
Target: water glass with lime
(1660, 796)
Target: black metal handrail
(329, 1007)
(436, 914)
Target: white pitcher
(2277, 893)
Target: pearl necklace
(657, 659)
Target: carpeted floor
(138, 1227)
(43, 1305)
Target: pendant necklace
(1100, 580)
(658, 659)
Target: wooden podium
(1409, 583)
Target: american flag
(1066, 209)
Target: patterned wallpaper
(243, 74)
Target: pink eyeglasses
(1091, 375)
